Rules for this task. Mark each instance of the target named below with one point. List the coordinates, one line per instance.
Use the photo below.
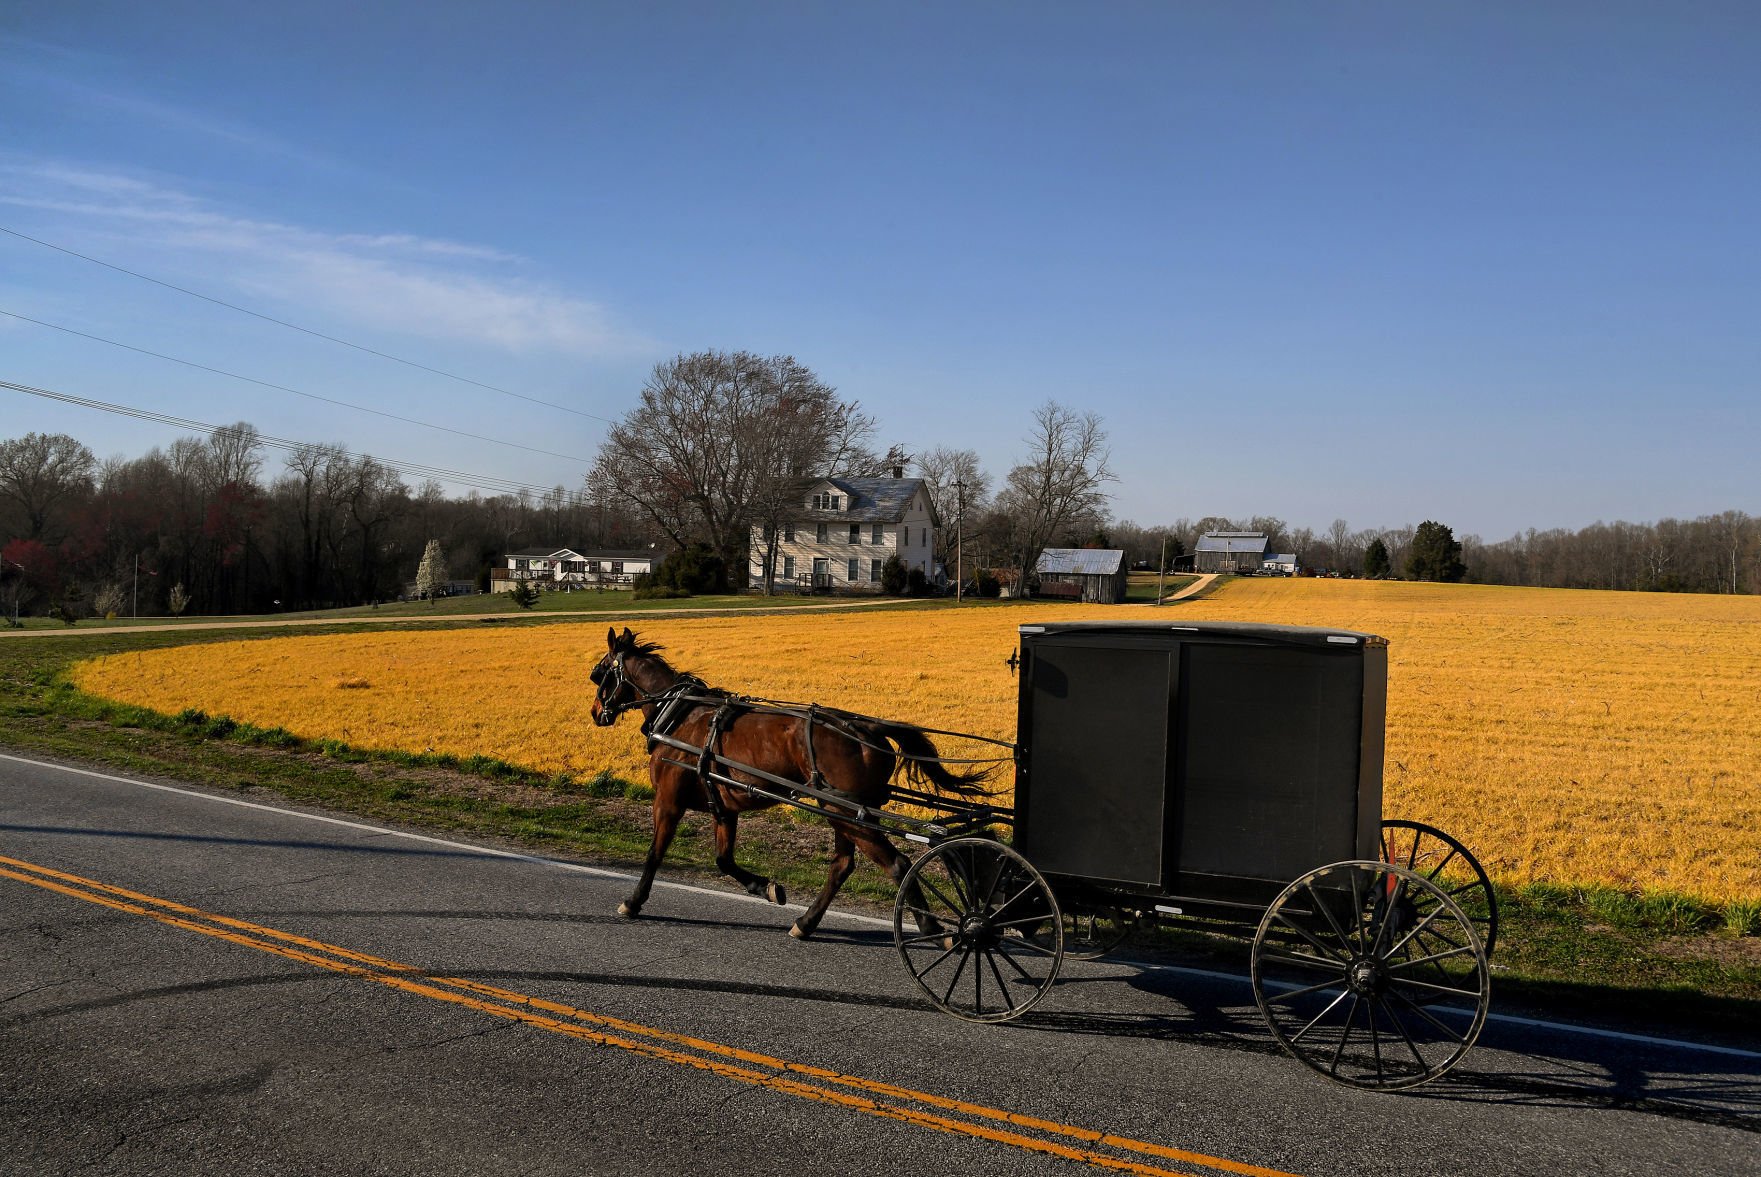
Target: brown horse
(849, 754)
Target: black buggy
(1226, 778)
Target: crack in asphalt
(37, 989)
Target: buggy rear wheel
(1428, 851)
(1371, 974)
(979, 929)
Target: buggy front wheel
(979, 929)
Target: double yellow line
(884, 1100)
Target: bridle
(612, 681)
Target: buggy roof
(1299, 635)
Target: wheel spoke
(1336, 967)
(930, 967)
(1412, 962)
(1331, 1006)
(948, 993)
(1344, 940)
(1438, 869)
(1002, 988)
(1375, 1039)
(978, 985)
(1471, 994)
(954, 909)
(1339, 1051)
(1013, 899)
(1421, 926)
(1424, 1066)
(928, 938)
(1014, 964)
(1027, 944)
(1290, 994)
(1460, 1039)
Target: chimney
(898, 471)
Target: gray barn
(1230, 551)
(1082, 574)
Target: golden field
(1567, 737)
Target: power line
(302, 330)
(413, 469)
(296, 392)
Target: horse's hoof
(628, 912)
(797, 933)
(775, 893)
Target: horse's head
(616, 691)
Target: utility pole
(1162, 577)
(959, 541)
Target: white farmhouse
(565, 568)
(844, 529)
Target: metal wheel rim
(1387, 999)
(980, 964)
(1429, 851)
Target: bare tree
(39, 474)
(721, 441)
(1056, 492)
(957, 486)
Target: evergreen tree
(524, 594)
(1376, 565)
(1435, 554)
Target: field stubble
(1570, 738)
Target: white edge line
(600, 872)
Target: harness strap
(813, 774)
(706, 759)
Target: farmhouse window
(593, 567)
(788, 568)
(788, 533)
(855, 569)
(877, 534)
(856, 533)
(617, 567)
(819, 533)
(874, 567)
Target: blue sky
(1496, 265)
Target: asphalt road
(193, 985)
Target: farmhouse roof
(1232, 541)
(541, 553)
(871, 500)
(1080, 561)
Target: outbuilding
(1096, 575)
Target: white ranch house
(565, 568)
(843, 531)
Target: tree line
(718, 449)
(200, 525)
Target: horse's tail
(923, 763)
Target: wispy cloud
(402, 282)
(80, 78)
